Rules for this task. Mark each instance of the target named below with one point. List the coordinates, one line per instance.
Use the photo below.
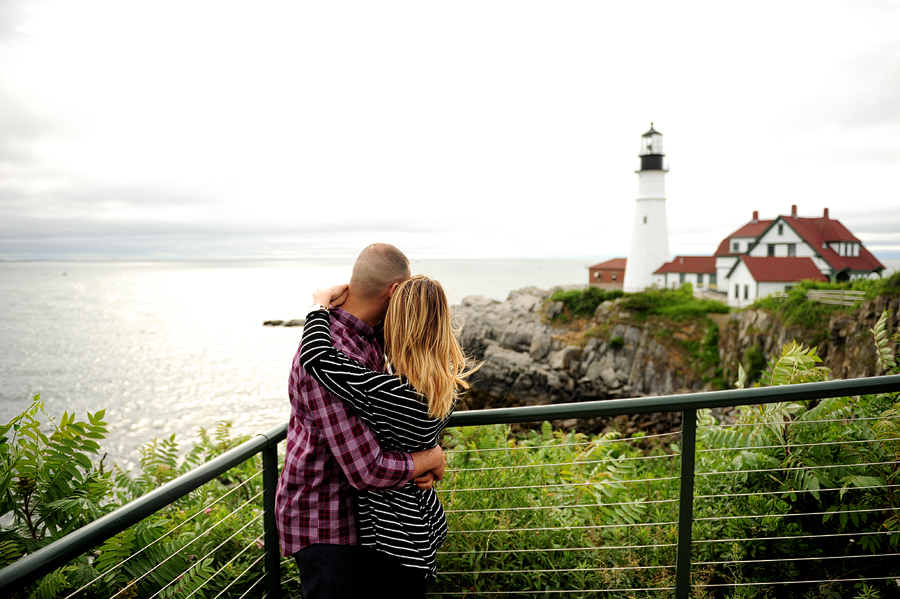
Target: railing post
(686, 504)
(273, 552)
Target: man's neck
(361, 310)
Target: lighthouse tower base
(649, 244)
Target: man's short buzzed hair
(378, 266)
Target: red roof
(821, 231)
(816, 232)
(772, 269)
(615, 263)
(689, 264)
(751, 230)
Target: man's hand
(426, 481)
(429, 462)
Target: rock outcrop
(527, 360)
(844, 343)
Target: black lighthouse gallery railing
(582, 531)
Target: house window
(598, 275)
(737, 291)
(712, 279)
(614, 276)
(645, 220)
(781, 228)
(788, 288)
(792, 249)
(735, 246)
(681, 277)
(770, 249)
(746, 291)
(699, 278)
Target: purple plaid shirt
(330, 452)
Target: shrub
(583, 302)
(616, 342)
(51, 486)
(675, 304)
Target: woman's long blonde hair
(420, 343)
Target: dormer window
(735, 246)
(781, 228)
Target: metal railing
(672, 517)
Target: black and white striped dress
(407, 523)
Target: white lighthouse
(650, 233)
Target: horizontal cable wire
(834, 513)
(792, 422)
(199, 536)
(253, 586)
(543, 529)
(791, 446)
(796, 559)
(545, 592)
(160, 539)
(828, 581)
(219, 546)
(794, 491)
(576, 463)
(793, 468)
(559, 571)
(833, 536)
(247, 569)
(579, 444)
(604, 548)
(558, 485)
(552, 507)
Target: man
(330, 452)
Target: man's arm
(352, 443)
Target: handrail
(43, 561)
(33, 566)
(679, 403)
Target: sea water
(169, 347)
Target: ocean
(169, 347)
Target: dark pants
(335, 571)
(396, 581)
(350, 572)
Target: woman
(407, 409)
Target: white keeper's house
(767, 256)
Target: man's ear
(392, 289)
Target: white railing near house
(839, 297)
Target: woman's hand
(331, 296)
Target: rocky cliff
(530, 360)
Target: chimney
(794, 210)
(826, 213)
(755, 216)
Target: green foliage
(540, 511)
(754, 363)
(48, 484)
(796, 309)
(675, 304)
(583, 302)
(817, 476)
(50, 487)
(548, 510)
(884, 345)
(616, 342)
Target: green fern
(884, 353)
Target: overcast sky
(213, 129)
